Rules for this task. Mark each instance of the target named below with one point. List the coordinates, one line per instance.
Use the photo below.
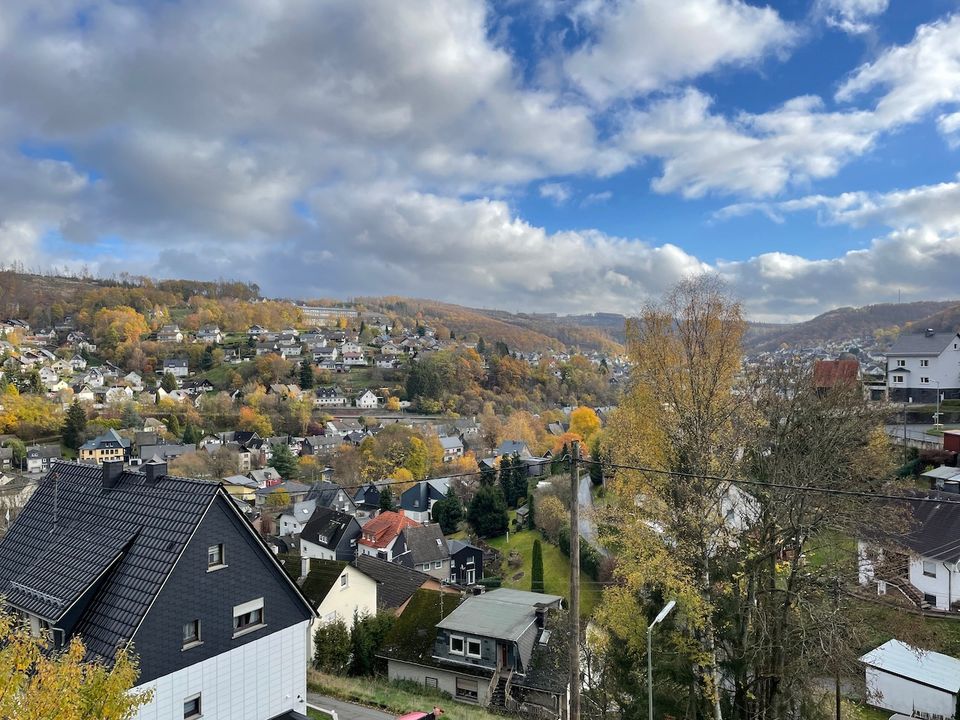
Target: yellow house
(109, 446)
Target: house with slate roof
(921, 363)
(109, 446)
(495, 649)
(417, 502)
(168, 567)
(331, 495)
(329, 535)
(425, 549)
(466, 562)
(396, 584)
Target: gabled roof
(921, 343)
(426, 543)
(450, 443)
(936, 528)
(925, 666)
(327, 523)
(455, 546)
(322, 576)
(509, 447)
(384, 528)
(109, 439)
(395, 583)
(417, 498)
(830, 373)
(325, 493)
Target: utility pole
(574, 581)
(836, 672)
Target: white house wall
(900, 695)
(256, 681)
(344, 603)
(312, 550)
(945, 586)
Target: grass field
(317, 715)
(556, 569)
(391, 697)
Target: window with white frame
(248, 616)
(191, 708)
(456, 645)
(898, 378)
(215, 557)
(191, 634)
(438, 564)
(924, 380)
(901, 363)
(344, 580)
(474, 649)
(929, 568)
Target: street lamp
(659, 618)
(936, 422)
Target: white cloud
(851, 16)
(597, 198)
(559, 193)
(644, 45)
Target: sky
(562, 156)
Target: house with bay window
(170, 568)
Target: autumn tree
(279, 498)
(36, 683)
(252, 421)
(584, 422)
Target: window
(901, 363)
(929, 568)
(453, 576)
(248, 617)
(924, 363)
(931, 599)
(924, 381)
(473, 649)
(471, 576)
(344, 581)
(467, 689)
(437, 564)
(898, 378)
(215, 558)
(456, 645)
(191, 707)
(191, 634)
(430, 682)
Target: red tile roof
(381, 531)
(828, 373)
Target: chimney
(155, 469)
(112, 469)
(541, 611)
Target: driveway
(348, 711)
(587, 519)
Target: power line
(781, 486)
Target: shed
(912, 681)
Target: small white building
(367, 401)
(911, 681)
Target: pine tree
(192, 434)
(74, 426)
(481, 346)
(284, 462)
(306, 375)
(536, 571)
(386, 500)
(488, 512)
(173, 426)
(169, 382)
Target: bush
(490, 583)
(366, 639)
(551, 516)
(332, 648)
(536, 571)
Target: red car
(432, 715)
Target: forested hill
(848, 323)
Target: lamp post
(659, 618)
(936, 422)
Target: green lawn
(393, 697)
(318, 715)
(556, 569)
(887, 621)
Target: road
(348, 711)
(588, 521)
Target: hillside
(849, 323)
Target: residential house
(367, 401)
(417, 502)
(343, 427)
(170, 334)
(353, 359)
(267, 477)
(6, 458)
(397, 584)
(425, 549)
(293, 519)
(921, 364)
(83, 393)
(256, 331)
(325, 356)
(109, 446)
(367, 499)
(330, 535)
(320, 445)
(466, 562)
(171, 567)
(329, 397)
(452, 448)
(913, 682)
(331, 495)
(178, 367)
(497, 649)
(295, 491)
(928, 572)
(39, 458)
(210, 334)
(164, 451)
(380, 535)
(338, 591)
(241, 488)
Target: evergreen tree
(332, 647)
(386, 500)
(488, 512)
(206, 359)
(192, 434)
(284, 462)
(501, 348)
(306, 375)
(506, 478)
(520, 480)
(169, 382)
(481, 346)
(531, 520)
(173, 426)
(74, 426)
(536, 571)
(448, 513)
(596, 471)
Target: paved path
(348, 711)
(588, 521)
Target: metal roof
(925, 666)
(921, 343)
(503, 613)
(944, 472)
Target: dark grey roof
(921, 343)
(329, 523)
(936, 528)
(455, 546)
(43, 451)
(156, 520)
(417, 498)
(425, 543)
(395, 583)
(111, 438)
(325, 493)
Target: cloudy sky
(564, 155)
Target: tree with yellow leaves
(584, 422)
(36, 684)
